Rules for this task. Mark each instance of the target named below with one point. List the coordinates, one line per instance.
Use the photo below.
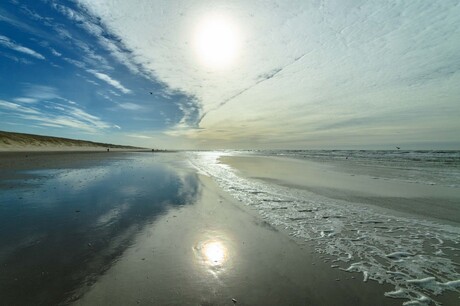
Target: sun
(216, 42)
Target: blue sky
(239, 74)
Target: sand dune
(28, 142)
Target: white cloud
(81, 115)
(40, 92)
(16, 59)
(19, 23)
(50, 125)
(18, 108)
(8, 43)
(55, 53)
(34, 15)
(92, 82)
(105, 96)
(121, 55)
(114, 93)
(91, 58)
(91, 25)
(62, 115)
(25, 100)
(80, 19)
(62, 32)
(301, 65)
(104, 77)
(130, 106)
(74, 62)
(138, 136)
(52, 113)
(71, 102)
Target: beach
(430, 201)
(230, 153)
(390, 216)
(126, 228)
(20, 142)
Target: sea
(417, 256)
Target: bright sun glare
(214, 252)
(216, 42)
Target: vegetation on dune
(10, 139)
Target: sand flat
(430, 201)
(388, 239)
(171, 263)
(138, 228)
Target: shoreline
(67, 149)
(398, 197)
(387, 243)
(164, 260)
(261, 265)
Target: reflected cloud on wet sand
(58, 237)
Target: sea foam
(408, 253)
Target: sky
(342, 74)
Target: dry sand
(20, 142)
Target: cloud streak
(314, 70)
(139, 136)
(104, 77)
(92, 26)
(17, 108)
(62, 116)
(306, 72)
(263, 78)
(130, 106)
(8, 43)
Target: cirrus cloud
(106, 78)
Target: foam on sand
(413, 255)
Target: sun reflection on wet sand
(215, 252)
(213, 255)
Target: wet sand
(17, 165)
(438, 203)
(146, 229)
(170, 264)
